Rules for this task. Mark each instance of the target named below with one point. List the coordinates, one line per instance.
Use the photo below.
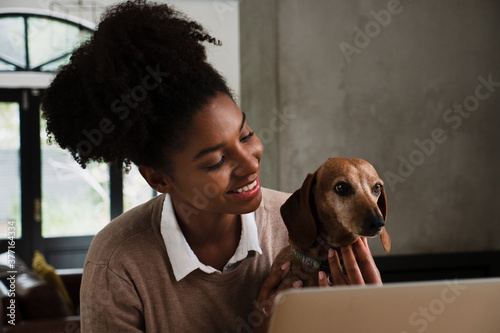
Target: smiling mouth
(246, 188)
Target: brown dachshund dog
(342, 201)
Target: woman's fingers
(267, 294)
(351, 266)
(338, 278)
(365, 262)
(272, 282)
(265, 300)
(357, 267)
(323, 279)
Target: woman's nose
(247, 160)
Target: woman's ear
(156, 179)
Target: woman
(196, 258)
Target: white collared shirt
(182, 257)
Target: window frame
(26, 87)
(62, 252)
(26, 14)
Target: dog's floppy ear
(384, 236)
(298, 215)
(382, 203)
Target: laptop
(451, 306)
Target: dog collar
(310, 261)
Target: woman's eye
(216, 166)
(246, 138)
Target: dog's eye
(342, 188)
(377, 189)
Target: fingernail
(322, 276)
(297, 284)
(285, 266)
(331, 253)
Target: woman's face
(218, 170)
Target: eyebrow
(208, 150)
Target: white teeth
(247, 187)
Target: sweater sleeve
(109, 303)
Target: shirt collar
(182, 257)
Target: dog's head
(343, 200)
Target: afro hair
(131, 90)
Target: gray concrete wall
(400, 84)
(259, 80)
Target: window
(10, 200)
(37, 43)
(58, 206)
(75, 201)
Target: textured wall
(402, 84)
(259, 80)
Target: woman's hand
(265, 301)
(359, 266)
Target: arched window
(37, 43)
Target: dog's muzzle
(372, 226)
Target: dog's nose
(373, 225)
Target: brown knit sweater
(128, 284)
